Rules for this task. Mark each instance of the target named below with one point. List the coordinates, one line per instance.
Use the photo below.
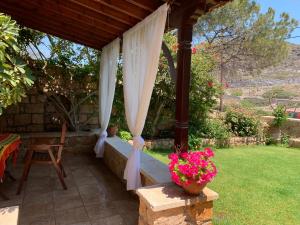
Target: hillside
(286, 72)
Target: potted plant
(113, 127)
(192, 170)
(112, 130)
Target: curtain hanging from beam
(107, 83)
(141, 50)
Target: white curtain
(141, 50)
(107, 83)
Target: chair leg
(58, 170)
(25, 171)
(62, 169)
(60, 176)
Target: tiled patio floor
(94, 196)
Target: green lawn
(258, 185)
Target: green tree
(65, 71)
(244, 39)
(15, 77)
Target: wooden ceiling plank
(75, 39)
(23, 7)
(128, 8)
(59, 30)
(86, 13)
(106, 11)
(78, 17)
(150, 5)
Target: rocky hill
(286, 72)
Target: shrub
(280, 115)
(242, 122)
(216, 128)
(195, 142)
(285, 139)
(237, 92)
(245, 103)
(125, 135)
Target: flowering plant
(192, 167)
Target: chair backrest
(63, 133)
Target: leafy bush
(242, 122)
(195, 142)
(237, 92)
(280, 115)
(270, 140)
(245, 103)
(15, 76)
(125, 135)
(216, 128)
(284, 139)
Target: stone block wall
(232, 142)
(291, 126)
(36, 113)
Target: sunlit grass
(258, 185)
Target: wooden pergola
(95, 23)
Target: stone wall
(232, 142)
(36, 113)
(291, 126)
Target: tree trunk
(156, 119)
(168, 55)
(222, 85)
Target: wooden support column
(185, 33)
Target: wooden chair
(46, 154)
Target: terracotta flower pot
(112, 131)
(194, 188)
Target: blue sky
(292, 7)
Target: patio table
(9, 145)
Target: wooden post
(185, 33)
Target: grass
(258, 185)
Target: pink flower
(203, 164)
(175, 178)
(173, 157)
(191, 167)
(208, 152)
(184, 155)
(184, 169)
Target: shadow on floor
(95, 196)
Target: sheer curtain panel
(141, 50)
(107, 83)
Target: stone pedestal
(168, 204)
